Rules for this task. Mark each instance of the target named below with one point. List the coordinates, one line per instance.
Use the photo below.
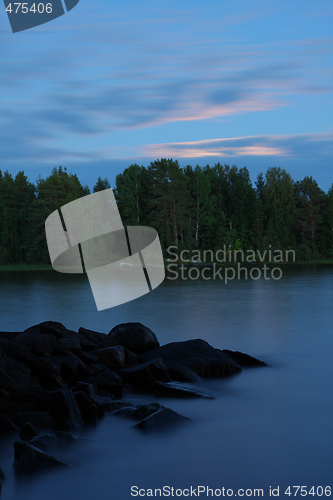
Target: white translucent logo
(87, 235)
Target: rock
(181, 373)
(70, 344)
(181, 389)
(2, 353)
(3, 393)
(48, 441)
(38, 396)
(9, 335)
(10, 346)
(90, 410)
(6, 426)
(18, 373)
(130, 357)
(28, 432)
(244, 360)
(69, 365)
(143, 376)
(7, 406)
(2, 477)
(65, 409)
(100, 339)
(111, 357)
(107, 380)
(135, 336)
(94, 368)
(52, 327)
(138, 412)
(29, 459)
(197, 355)
(87, 357)
(48, 373)
(109, 404)
(6, 383)
(161, 420)
(37, 343)
(87, 388)
(40, 419)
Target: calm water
(267, 426)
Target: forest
(192, 208)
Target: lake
(267, 427)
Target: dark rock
(7, 406)
(138, 412)
(65, 409)
(181, 373)
(69, 365)
(9, 335)
(28, 432)
(40, 419)
(87, 388)
(181, 389)
(70, 344)
(111, 357)
(94, 368)
(29, 459)
(90, 410)
(2, 353)
(52, 327)
(107, 380)
(130, 357)
(18, 372)
(244, 360)
(10, 346)
(197, 355)
(2, 477)
(37, 343)
(87, 357)
(46, 442)
(143, 376)
(6, 383)
(3, 393)
(100, 339)
(48, 373)
(161, 420)
(109, 404)
(38, 396)
(135, 336)
(6, 426)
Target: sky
(246, 83)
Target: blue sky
(108, 84)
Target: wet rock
(48, 373)
(29, 459)
(181, 389)
(138, 412)
(37, 343)
(28, 432)
(7, 406)
(18, 373)
(40, 419)
(197, 355)
(70, 344)
(87, 388)
(65, 409)
(111, 357)
(143, 376)
(109, 404)
(91, 411)
(181, 373)
(135, 336)
(244, 360)
(107, 380)
(46, 442)
(161, 420)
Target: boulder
(107, 380)
(87, 357)
(197, 355)
(70, 344)
(143, 376)
(109, 404)
(161, 420)
(7, 406)
(37, 343)
(28, 432)
(69, 365)
(135, 336)
(10, 346)
(38, 396)
(6, 426)
(30, 460)
(65, 409)
(87, 388)
(130, 357)
(17, 371)
(244, 360)
(181, 373)
(100, 339)
(46, 442)
(39, 419)
(2, 353)
(90, 410)
(181, 389)
(94, 368)
(138, 412)
(111, 357)
(48, 373)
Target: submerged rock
(138, 412)
(48, 441)
(161, 420)
(244, 360)
(182, 389)
(31, 460)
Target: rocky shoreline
(54, 380)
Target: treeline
(193, 208)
